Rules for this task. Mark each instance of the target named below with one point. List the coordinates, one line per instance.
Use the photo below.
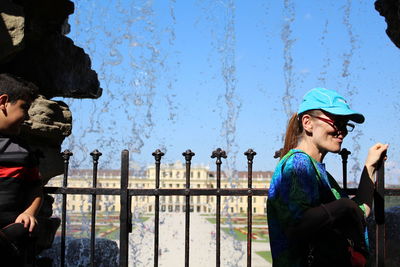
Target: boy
(20, 185)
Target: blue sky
(207, 74)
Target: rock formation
(49, 123)
(34, 47)
(12, 25)
(390, 9)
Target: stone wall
(34, 47)
(390, 9)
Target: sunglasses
(338, 125)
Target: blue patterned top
(295, 187)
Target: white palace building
(171, 176)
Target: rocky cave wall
(34, 47)
(390, 9)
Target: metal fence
(126, 194)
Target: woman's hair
(294, 131)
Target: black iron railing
(126, 194)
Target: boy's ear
(3, 101)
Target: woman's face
(327, 131)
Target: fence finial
(158, 155)
(344, 153)
(218, 153)
(188, 154)
(250, 153)
(278, 153)
(66, 155)
(95, 155)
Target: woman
(312, 222)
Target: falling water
(326, 61)
(350, 89)
(130, 71)
(348, 56)
(221, 15)
(172, 107)
(233, 105)
(288, 41)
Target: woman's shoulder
(296, 160)
(296, 155)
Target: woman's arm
(365, 192)
(318, 217)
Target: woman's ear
(307, 123)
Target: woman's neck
(311, 150)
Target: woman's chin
(336, 149)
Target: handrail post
(124, 212)
(344, 153)
(157, 156)
(188, 154)
(218, 153)
(95, 155)
(379, 199)
(250, 153)
(65, 155)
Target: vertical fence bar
(379, 199)
(188, 154)
(250, 153)
(344, 153)
(95, 155)
(157, 156)
(124, 212)
(66, 155)
(219, 153)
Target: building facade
(172, 176)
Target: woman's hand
(375, 153)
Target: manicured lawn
(145, 219)
(257, 220)
(107, 225)
(212, 220)
(104, 231)
(236, 233)
(266, 255)
(241, 234)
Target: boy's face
(16, 113)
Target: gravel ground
(202, 244)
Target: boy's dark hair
(17, 88)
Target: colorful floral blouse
(298, 184)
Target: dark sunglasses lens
(350, 127)
(342, 125)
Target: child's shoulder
(15, 151)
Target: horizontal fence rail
(126, 195)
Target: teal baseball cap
(329, 101)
